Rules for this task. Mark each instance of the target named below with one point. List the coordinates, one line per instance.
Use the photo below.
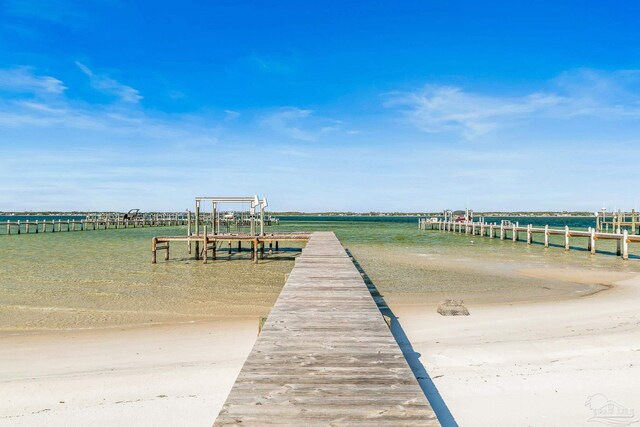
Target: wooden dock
(325, 355)
(90, 223)
(208, 245)
(513, 231)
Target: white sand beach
(534, 364)
(147, 376)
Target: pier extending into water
(325, 355)
(209, 245)
(512, 231)
(94, 222)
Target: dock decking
(325, 355)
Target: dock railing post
(501, 231)
(514, 232)
(154, 243)
(567, 242)
(592, 241)
(625, 244)
(618, 243)
(529, 236)
(546, 236)
(491, 231)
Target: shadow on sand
(413, 358)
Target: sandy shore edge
(160, 375)
(538, 364)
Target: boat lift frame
(254, 201)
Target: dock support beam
(255, 251)
(205, 250)
(189, 230)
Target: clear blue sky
(367, 105)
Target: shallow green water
(104, 277)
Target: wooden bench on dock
(325, 355)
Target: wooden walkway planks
(325, 355)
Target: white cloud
(439, 108)
(24, 80)
(287, 121)
(299, 123)
(110, 86)
(445, 108)
(231, 115)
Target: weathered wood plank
(325, 355)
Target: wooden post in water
(8, 227)
(154, 244)
(514, 232)
(567, 243)
(618, 243)
(625, 244)
(529, 234)
(205, 249)
(501, 231)
(189, 230)
(255, 251)
(26, 227)
(546, 236)
(592, 241)
(197, 228)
